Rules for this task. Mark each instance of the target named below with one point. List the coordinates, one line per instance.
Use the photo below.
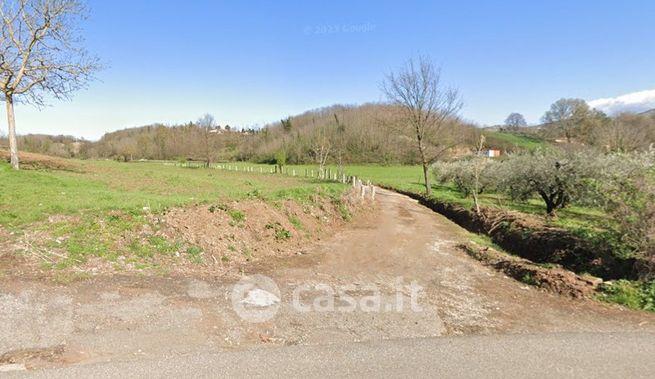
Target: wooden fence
(327, 174)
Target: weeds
(295, 221)
(237, 216)
(195, 254)
(632, 294)
(528, 279)
(280, 233)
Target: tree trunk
(426, 165)
(11, 121)
(426, 177)
(550, 210)
(550, 203)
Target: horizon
(251, 65)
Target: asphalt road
(611, 355)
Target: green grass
(103, 186)
(513, 140)
(295, 221)
(237, 216)
(195, 254)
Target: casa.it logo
(256, 298)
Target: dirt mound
(32, 161)
(207, 240)
(553, 279)
(231, 234)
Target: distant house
(491, 153)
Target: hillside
(508, 141)
(366, 133)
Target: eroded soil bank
(529, 237)
(211, 239)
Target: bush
(636, 295)
(281, 158)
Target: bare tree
(207, 125)
(515, 121)
(478, 165)
(340, 142)
(40, 55)
(321, 147)
(627, 132)
(427, 109)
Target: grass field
(100, 186)
(509, 140)
(97, 209)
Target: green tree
(281, 159)
(557, 177)
(567, 116)
(515, 121)
(625, 188)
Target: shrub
(281, 159)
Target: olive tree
(625, 188)
(427, 109)
(558, 177)
(40, 55)
(471, 176)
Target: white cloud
(633, 102)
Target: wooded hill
(368, 133)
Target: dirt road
(358, 285)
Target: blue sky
(252, 62)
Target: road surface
(614, 355)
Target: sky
(253, 62)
